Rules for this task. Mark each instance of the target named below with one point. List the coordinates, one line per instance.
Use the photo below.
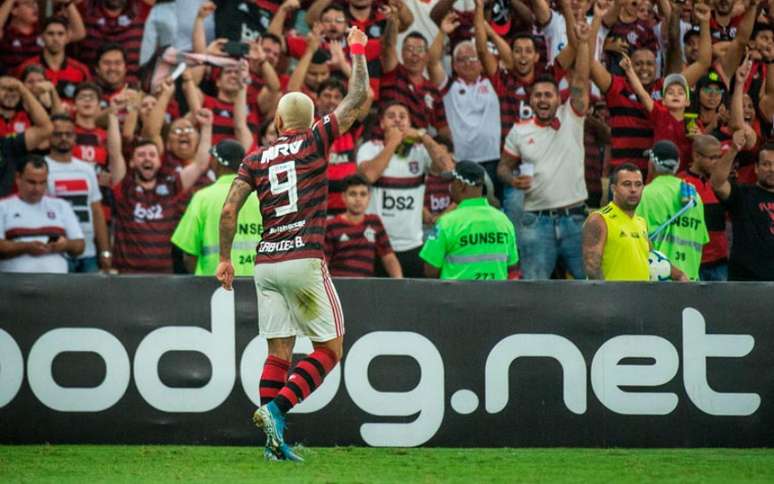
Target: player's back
(290, 179)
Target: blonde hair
(296, 110)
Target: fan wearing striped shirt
(354, 238)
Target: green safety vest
(683, 240)
(473, 241)
(198, 232)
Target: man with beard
(63, 71)
(75, 181)
(555, 188)
(615, 240)
(313, 68)
(752, 217)
(233, 118)
(14, 146)
(19, 34)
(113, 21)
(148, 203)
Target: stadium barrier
(162, 360)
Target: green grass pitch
(85, 464)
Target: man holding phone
(36, 231)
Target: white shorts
(297, 298)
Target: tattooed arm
(579, 87)
(349, 108)
(237, 195)
(594, 238)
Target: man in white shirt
(551, 145)
(75, 181)
(396, 168)
(36, 231)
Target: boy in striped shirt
(354, 239)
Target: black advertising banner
(97, 359)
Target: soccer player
(354, 238)
(294, 289)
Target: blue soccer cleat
(288, 454)
(269, 419)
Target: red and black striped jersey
(223, 119)
(351, 249)
(291, 181)
(91, 145)
(16, 124)
(16, 47)
(66, 78)
(144, 221)
(424, 101)
(342, 163)
(101, 28)
(630, 128)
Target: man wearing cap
(197, 234)
(474, 241)
(683, 239)
(709, 97)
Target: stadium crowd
(134, 111)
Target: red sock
(275, 373)
(307, 376)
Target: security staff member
(474, 241)
(198, 235)
(615, 240)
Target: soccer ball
(659, 266)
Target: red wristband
(357, 49)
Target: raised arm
(579, 85)
(314, 12)
(674, 52)
(721, 170)
(594, 238)
(41, 126)
(736, 120)
(435, 53)
(154, 121)
(193, 171)
(694, 71)
(389, 53)
(542, 12)
(357, 93)
(236, 197)
(488, 60)
(439, 11)
(241, 129)
(5, 13)
(521, 10)
(599, 74)
(277, 25)
(637, 87)
(736, 51)
(75, 23)
(313, 40)
(269, 94)
(115, 155)
(199, 39)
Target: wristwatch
(106, 254)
